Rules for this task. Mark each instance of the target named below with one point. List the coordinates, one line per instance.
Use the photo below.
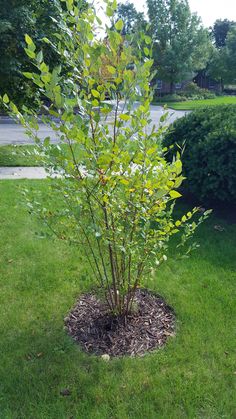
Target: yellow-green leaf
(95, 93)
(109, 11)
(111, 69)
(28, 40)
(175, 194)
(28, 75)
(30, 53)
(124, 117)
(148, 40)
(95, 102)
(119, 25)
(5, 98)
(124, 181)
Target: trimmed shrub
(207, 140)
(194, 92)
(173, 98)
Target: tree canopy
(181, 44)
(222, 64)
(220, 31)
(17, 18)
(38, 18)
(132, 19)
(230, 55)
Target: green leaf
(28, 75)
(124, 181)
(30, 53)
(46, 40)
(28, 40)
(111, 69)
(39, 57)
(119, 25)
(124, 117)
(95, 102)
(109, 11)
(146, 51)
(95, 93)
(46, 141)
(5, 98)
(175, 194)
(148, 40)
(30, 43)
(69, 4)
(44, 68)
(208, 212)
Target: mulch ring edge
(97, 332)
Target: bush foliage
(194, 92)
(207, 138)
(190, 92)
(115, 188)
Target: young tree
(115, 193)
(181, 44)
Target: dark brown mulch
(91, 325)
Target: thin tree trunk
(221, 85)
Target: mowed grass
(19, 155)
(40, 279)
(28, 155)
(190, 105)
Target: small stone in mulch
(97, 331)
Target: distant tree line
(181, 45)
(222, 63)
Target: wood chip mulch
(91, 326)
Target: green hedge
(207, 139)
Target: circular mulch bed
(91, 325)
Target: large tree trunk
(172, 87)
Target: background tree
(229, 55)
(181, 44)
(222, 63)
(38, 18)
(17, 18)
(220, 32)
(132, 19)
(134, 24)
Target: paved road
(11, 133)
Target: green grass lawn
(196, 104)
(192, 377)
(26, 155)
(18, 156)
